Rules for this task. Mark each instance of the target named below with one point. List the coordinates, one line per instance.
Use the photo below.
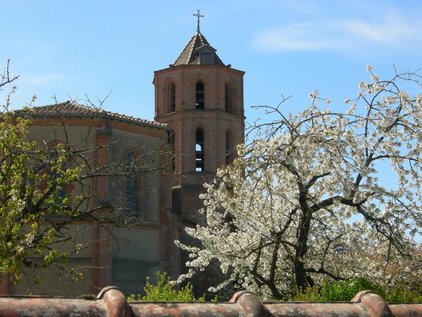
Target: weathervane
(199, 16)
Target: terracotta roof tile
(112, 302)
(69, 109)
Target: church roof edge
(71, 109)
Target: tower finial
(199, 16)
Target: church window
(199, 151)
(229, 147)
(200, 96)
(131, 186)
(227, 98)
(172, 97)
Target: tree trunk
(300, 275)
(301, 250)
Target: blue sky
(78, 48)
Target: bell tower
(201, 100)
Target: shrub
(164, 291)
(402, 294)
(345, 290)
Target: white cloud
(303, 36)
(345, 34)
(392, 30)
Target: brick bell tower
(201, 100)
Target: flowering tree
(314, 193)
(46, 187)
(31, 186)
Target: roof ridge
(184, 49)
(70, 108)
(69, 103)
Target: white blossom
(312, 195)
(375, 77)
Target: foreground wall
(111, 302)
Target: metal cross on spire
(199, 16)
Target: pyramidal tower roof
(198, 51)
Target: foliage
(32, 182)
(31, 185)
(46, 185)
(345, 290)
(164, 291)
(402, 294)
(315, 193)
(337, 290)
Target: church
(199, 116)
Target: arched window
(228, 98)
(172, 97)
(199, 151)
(131, 186)
(200, 96)
(229, 147)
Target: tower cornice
(173, 67)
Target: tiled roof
(70, 109)
(189, 54)
(112, 302)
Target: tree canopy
(323, 194)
